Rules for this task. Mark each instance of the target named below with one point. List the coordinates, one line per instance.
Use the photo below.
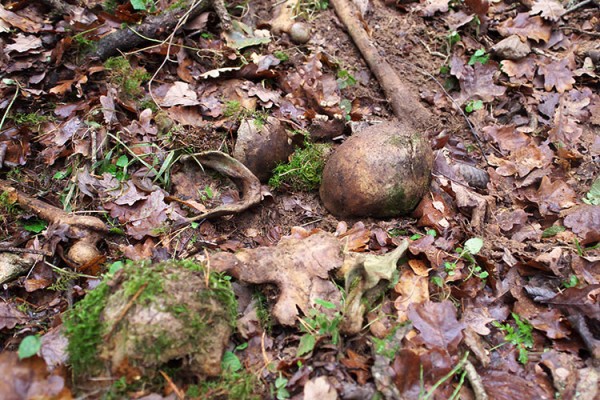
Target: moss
(129, 79)
(85, 330)
(304, 170)
(174, 307)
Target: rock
(147, 315)
(300, 33)
(382, 171)
(261, 146)
(511, 48)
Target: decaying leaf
(10, 316)
(584, 220)
(299, 268)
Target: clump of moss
(304, 170)
(147, 315)
(129, 79)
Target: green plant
(281, 56)
(8, 203)
(473, 105)
(129, 79)
(344, 79)
(593, 196)
(29, 346)
(458, 368)
(281, 393)
(34, 225)
(316, 325)
(309, 8)
(33, 119)
(479, 56)
(143, 5)
(572, 282)
(521, 337)
(471, 248)
(304, 170)
(553, 231)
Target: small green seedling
(471, 248)
(318, 325)
(34, 225)
(521, 337)
(281, 56)
(552, 231)
(281, 393)
(453, 38)
(473, 105)
(479, 56)
(345, 79)
(29, 346)
(572, 282)
(593, 196)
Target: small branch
(27, 251)
(578, 6)
(125, 310)
(475, 381)
(132, 37)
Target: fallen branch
(133, 37)
(406, 106)
(86, 231)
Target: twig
(460, 110)
(475, 381)
(125, 310)
(178, 392)
(577, 6)
(28, 251)
(221, 11)
(593, 34)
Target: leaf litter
(82, 140)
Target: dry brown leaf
(29, 379)
(411, 289)
(558, 74)
(526, 27)
(180, 94)
(550, 10)
(584, 220)
(552, 197)
(15, 20)
(300, 269)
(437, 325)
(10, 316)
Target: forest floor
(489, 289)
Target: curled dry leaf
(584, 220)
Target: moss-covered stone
(149, 314)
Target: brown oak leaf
(558, 74)
(526, 27)
(550, 10)
(299, 268)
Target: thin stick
(29, 251)
(126, 309)
(475, 381)
(460, 110)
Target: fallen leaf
(437, 324)
(29, 379)
(319, 389)
(584, 220)
(411, 289)
(180, 94)
(526, 27)
(19, 22)
(558, 74)
(10, 316)
(552, 197)
(23, 43)
(550, 10)
(299, 268)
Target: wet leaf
(437, 324)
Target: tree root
(406, 106)
(87, 231)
